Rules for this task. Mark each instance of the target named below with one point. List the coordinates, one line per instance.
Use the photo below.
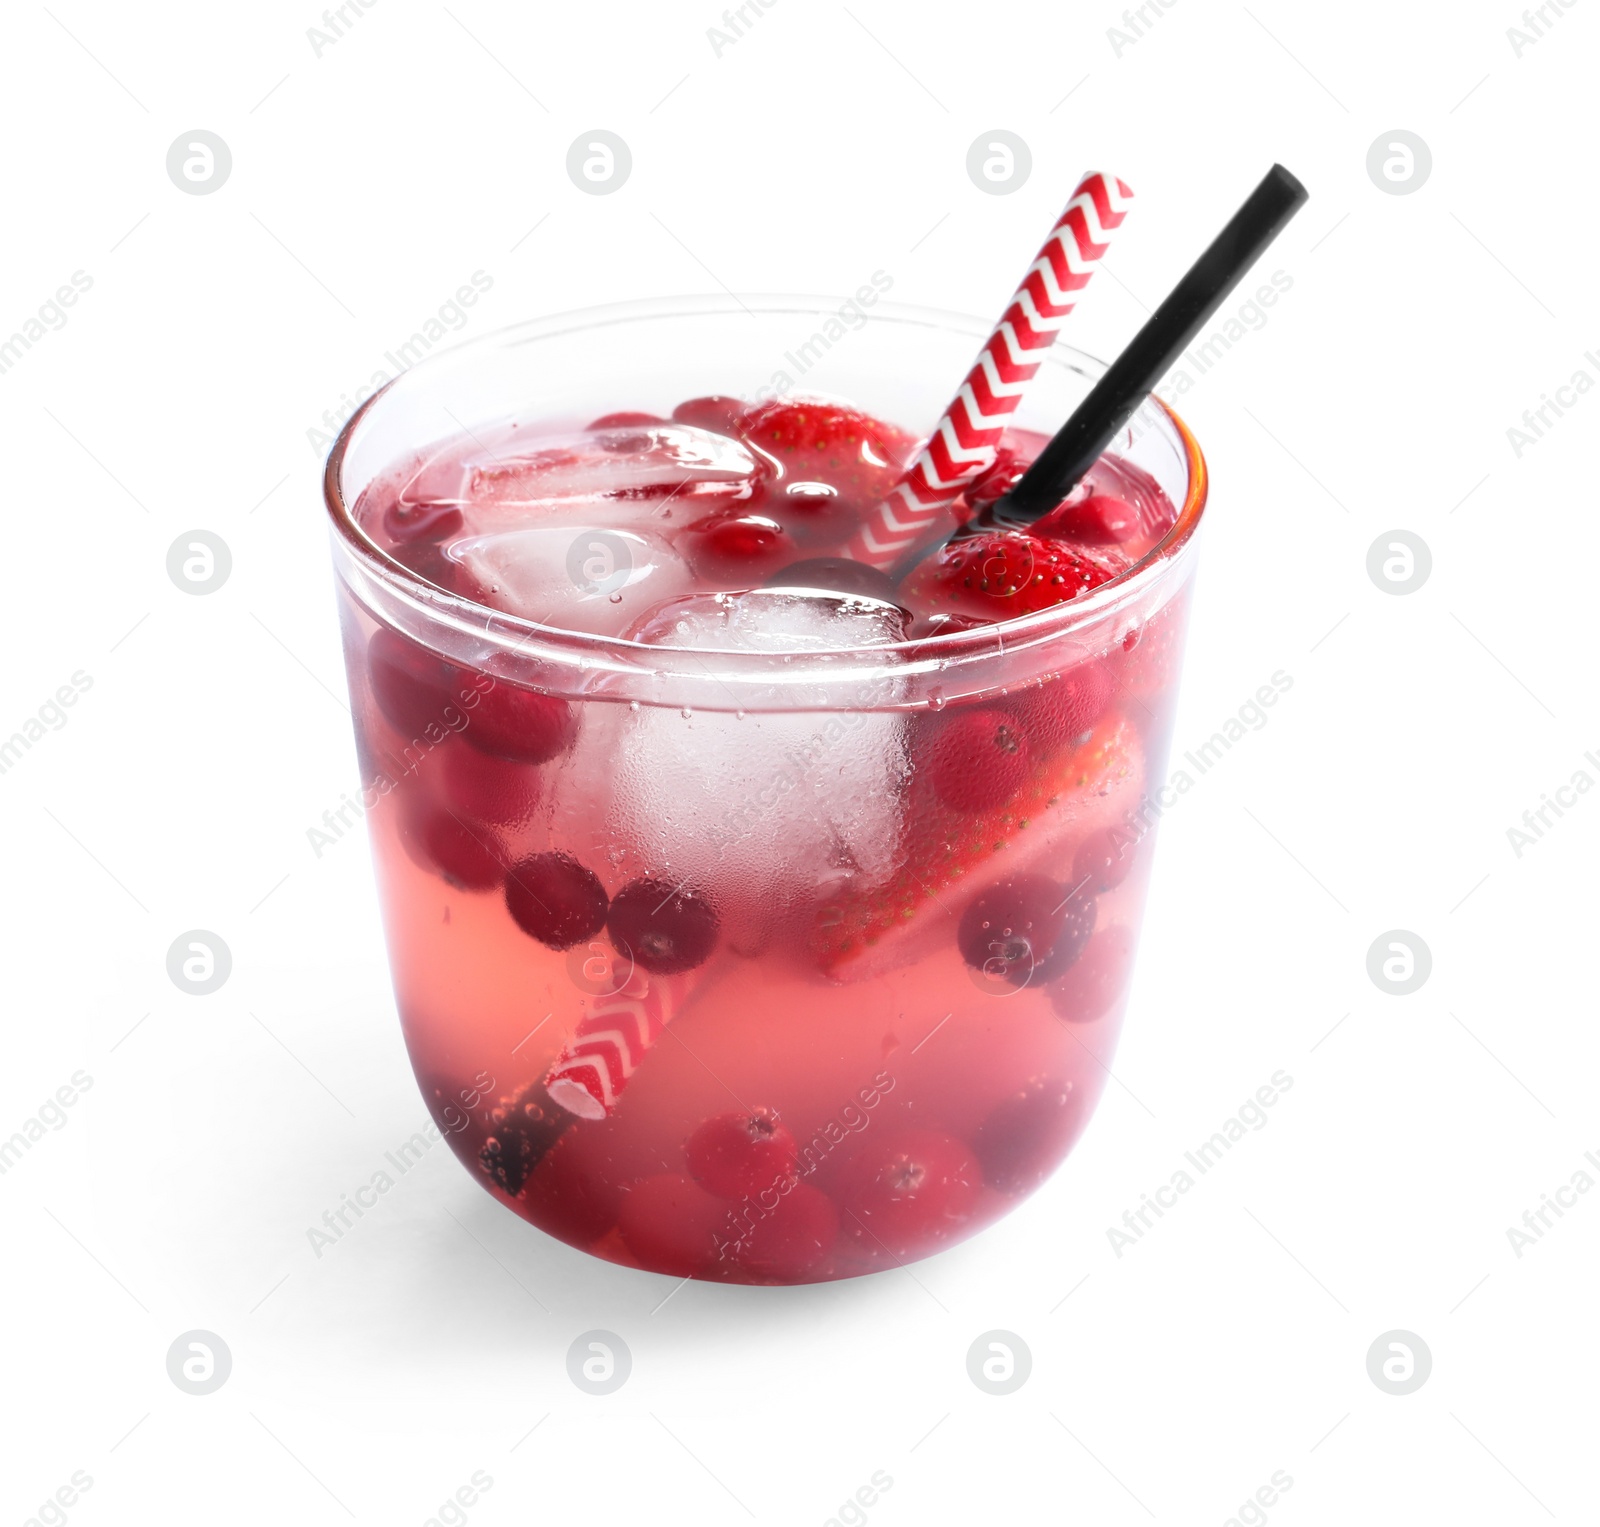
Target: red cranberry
(512, 722)
(741, 547)
(487, 788)
(1025, 1136)
(1093, 985)
(1078, 919)
(408, 524)
(556, 900)
(428, 561)
(814, 513)
(794, 1239)
(633, 442)
(1103, 859)
(414, 688)
(1099, 520)
(977, 759)
(666, 928)
(626, 420)
(720, 415)
(671, 1224)
(467, 854)
(905, 1195)
(736, 1154)
(567, 1197)
(1025, 929)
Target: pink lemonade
(759, 995)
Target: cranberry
(466, 854)
(790, 1241)
(428, 561)
(1099, 520)
(814, 513)
(667, 928)
(977, 759)
(413, 687)
(736, 1154)
(633, 442)
(841, 575)
(1078, 919)
(904, 1195)
(487, 788)
(1091, 987)
(556, 900)
(737, 546)
(1025, 929)
(1103, 859)
(1024, 1137)
(567, 1197)
(626, 420)
(671, 1224)
(720, 415)
(407, 524)
(512, 722)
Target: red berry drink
(754, 914)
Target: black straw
(1169, 332)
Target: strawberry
(950, 852)
(977, 758)
(1062, 708)
(859, 457)
(1003, 574)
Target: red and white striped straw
(967, 437)
(609, 1043)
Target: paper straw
(609, 1043)
(965, 441)
(1152, 352)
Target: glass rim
(588, 650)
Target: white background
(1230, 1342)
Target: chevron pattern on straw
(964, 443)
(608, 1045)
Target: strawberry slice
(1003, 574)
(951, 852)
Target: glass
(904, 1018)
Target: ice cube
(439, 478)
(574, 577)
(638, 466)
(764, 811)
(773, 620)
(660, 475)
